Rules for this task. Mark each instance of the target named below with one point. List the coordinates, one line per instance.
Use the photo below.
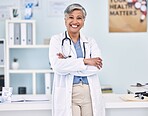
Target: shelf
(31, 71)
(2, 66)
(29, 46)
(33, 57)
(19, 21)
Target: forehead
(76, 12)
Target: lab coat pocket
(60, 97)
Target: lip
(74, 26)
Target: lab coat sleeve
(95, 52)
(90, 70)
(63, 66)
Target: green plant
(15, 60)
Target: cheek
(66, 23)
(82, 24)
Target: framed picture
(56, 7)
(15, 13)
(127, 16)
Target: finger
(98, 58)
(60, 56)
(99, 66)
(99, 63)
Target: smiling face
(74, 21)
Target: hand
(60, 56)
(94, 62)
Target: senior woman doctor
(75, 60)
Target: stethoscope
(70, 42)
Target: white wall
(124, 54)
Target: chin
(74, 30)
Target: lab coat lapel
(83, 42)
(73, 51)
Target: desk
(38, 105)
(113, 104)
(26, 109)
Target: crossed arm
(97, 62)
(74, 66)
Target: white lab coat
(64, 71)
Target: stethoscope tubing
(66, 38)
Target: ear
(83, 23)
(65, 21)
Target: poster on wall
(127, 15)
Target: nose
(75, 20)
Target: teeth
(74, 25)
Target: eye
(71, 17)
(79, 18)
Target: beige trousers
(81, 100)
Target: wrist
(85, 61)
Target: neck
(74, 36)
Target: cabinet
(32, 58)
(2, 63)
